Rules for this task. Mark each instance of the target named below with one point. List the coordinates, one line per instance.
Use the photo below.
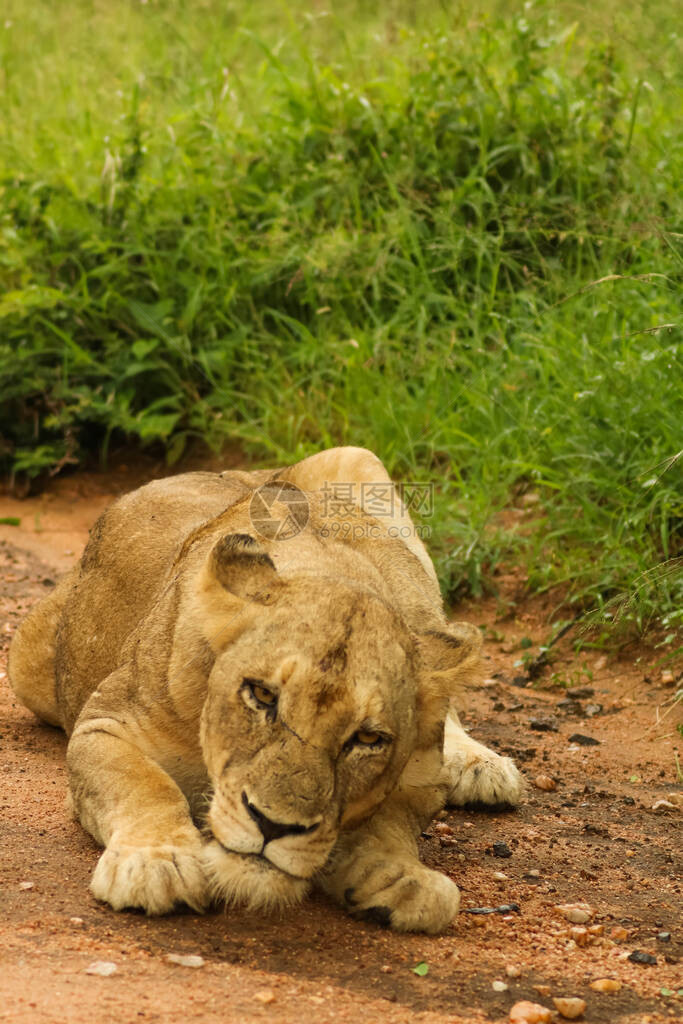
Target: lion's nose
(274, 829)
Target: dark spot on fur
(335, 659)
(349, 896)
(380, 916)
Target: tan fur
(159, 654)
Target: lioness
(257, 691)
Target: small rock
(580, 935)
(663, 805)
(575, 913)
(591, 710)
(265, 996)
(638, 956)
(76, 920)
(530, 1013)
(597, 929)
(675, 798)
(543, 724)
(499, 986)
(386, 969)
(501, 849)
(580, 692)
(570, 1007)
(600, 663)
(442, 829)
(103, 968)
(545, 782)
(605, 985)
(667, 677)
(533, 873)
(25, 886)
(500, 876)
(185, 959)
(618, 934)
(513, 971)
(584, 741)
(543, 990)
(663, 936)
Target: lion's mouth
(263, 862)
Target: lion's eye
(367, 739)
(261, 696)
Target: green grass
(452, 238)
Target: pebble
(618, 934)
(513, 971)
(499, 986)
(663, 936)
(545, 782)
(76, 920)
(575, 913)
(543, 724)
(663, 805)
(605, 985)
(533, 873)
(584, 741)
(580, 692)
(501, 849)
(543, 990)
(103, 968)
(185, 959)
(667, 677)
(442, 829)
(530, 1013)
(675, 798)
(386, 969)
(25, 886)
(591, 710)
(580, 935)
(500, 876)
(570, 1007)
(265, 996)
(638, 956)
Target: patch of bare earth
(593, 838)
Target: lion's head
(318, 696)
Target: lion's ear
(450, 655)
(450, 658)
(242, 566)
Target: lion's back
(76, 634)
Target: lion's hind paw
(488, 780)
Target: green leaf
(10, 521)
(421, 969)
(525, 643)
(666, 992)
(35, 296)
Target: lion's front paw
(485, 778)
(402, 894)
(155, 878)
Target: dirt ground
(595, 838)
